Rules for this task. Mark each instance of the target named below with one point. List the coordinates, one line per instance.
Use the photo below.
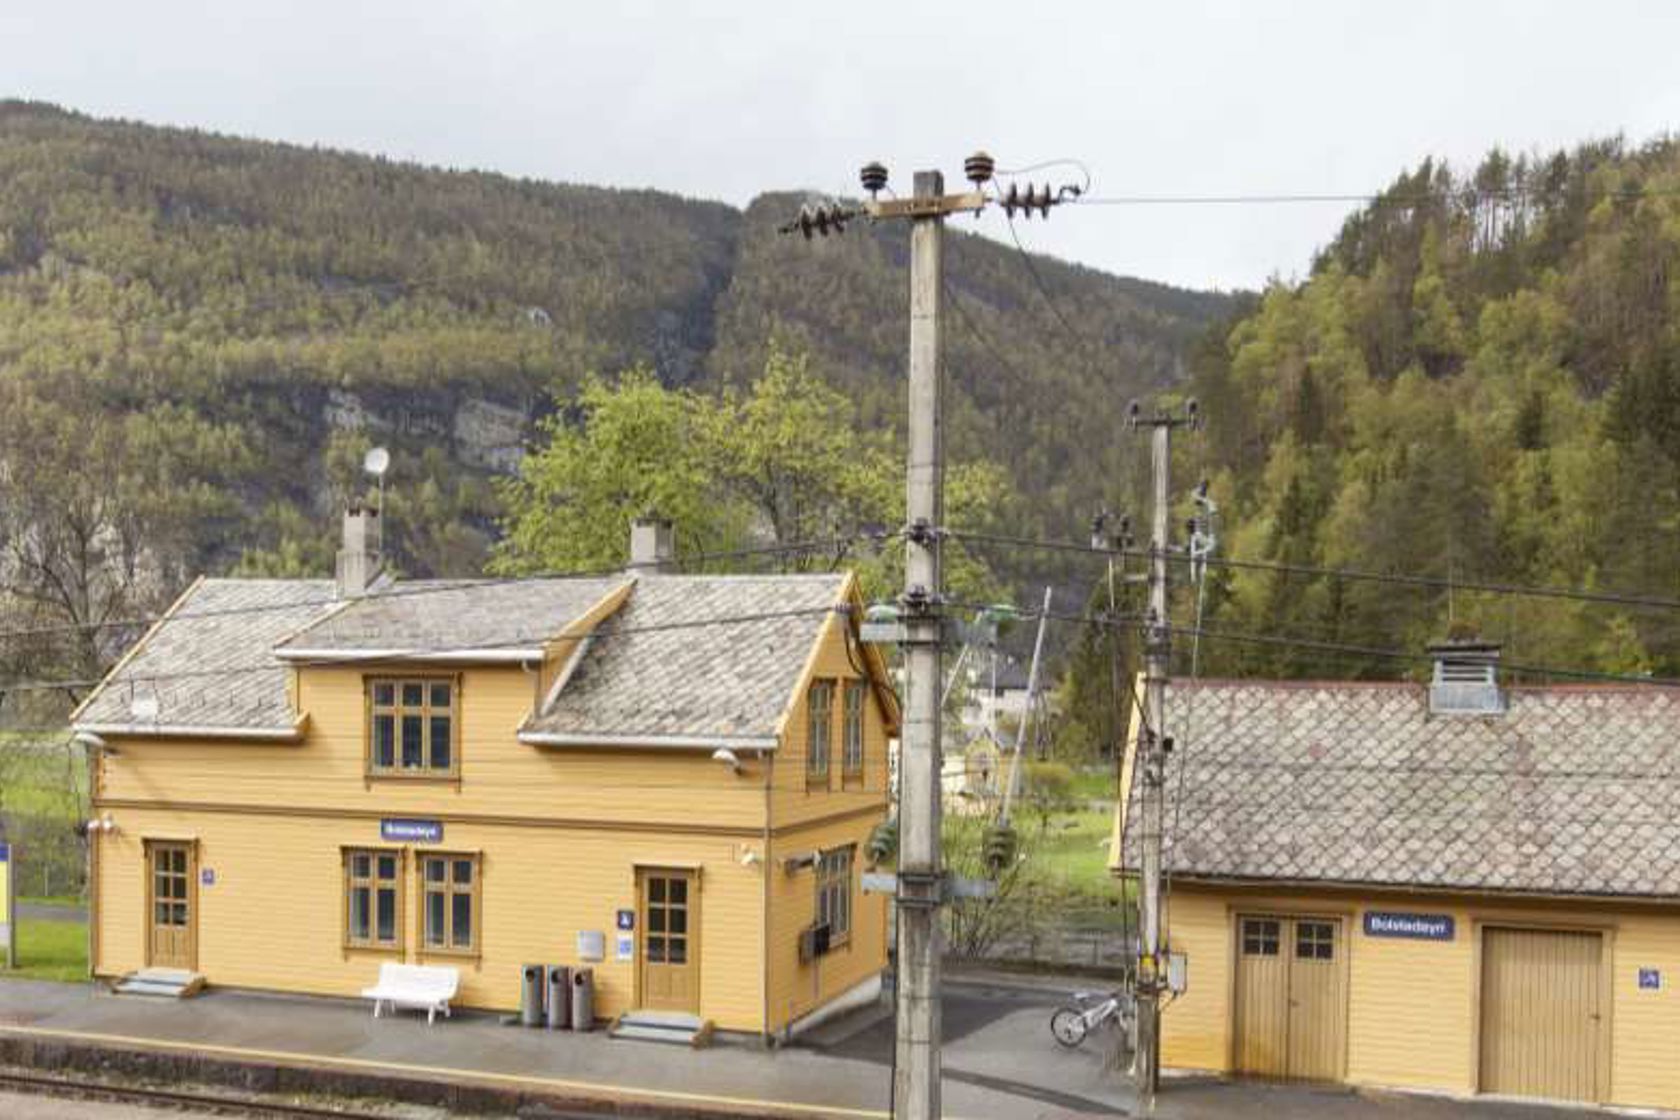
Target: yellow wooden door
(1262, 1005)
(1316, 1002)
(1542, 1013)
(670, 944)
(172, 942)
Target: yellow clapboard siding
(274, 916)
(499, 775)
(1412, 1006)
(796, 988)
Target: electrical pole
(917, 1067)
(921, 885)
(1154, 745)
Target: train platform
(1000, 1061)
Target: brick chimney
(359, 559)
(653, 545)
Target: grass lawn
(1073, 851)
(39, 777)
(50, 951)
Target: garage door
(1291, 1004)
(1542, 1013)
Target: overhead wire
(440, 586)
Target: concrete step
(166, 983)
(663, 1026)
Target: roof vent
(1466, 679)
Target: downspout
(764, 887)
(92, 838)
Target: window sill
(816, 782)
(413, 776)
(452, 954)
(369, 947)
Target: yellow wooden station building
(1453, 887)
(666, 778)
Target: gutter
(293, 734)
(485, 656)
(664, 742)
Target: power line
(1438, 583)
(436, 587)
(1411, 199)
(606, 631)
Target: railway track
(177, 1099)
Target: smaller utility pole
(1153, 746)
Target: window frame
(815, 777)
(373, 883)
(1267, 939)
(1315, 940)
(474, 891)
(853, 720)
(836, 884)
(397, 709)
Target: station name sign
(1418, 927)
(411, 831)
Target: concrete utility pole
(920, 873)
(921, 885)
(1153, 747)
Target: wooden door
(1316, 1002)
(1291, 1006)
(1262, 1007)
(171, 920)
(670, 958)
(1542, 1013)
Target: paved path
(1000, 1061)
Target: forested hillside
(200, 335)
(1480, 381)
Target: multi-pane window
(449, 903)
(169, 887)
(371, 898)
(834, 893)
(819, 711)
(1315, 941)
(411, 728)
(667, 920)
(851, 741)
(1260, 937)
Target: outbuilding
(1455, 887)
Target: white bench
(422, 987)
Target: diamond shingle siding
(671, 661)
(210, 664)
(1573, 791)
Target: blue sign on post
(1650, 980)
(1417, 927)
(411, 831)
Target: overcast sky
(722, 99)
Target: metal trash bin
(583, 999)
(559, 997)
(531, 995)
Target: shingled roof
(209, 664)
(460, 617)
(685, 659)
(1571, 791)
(670, 664)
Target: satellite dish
(377, 462)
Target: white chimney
(653, 545)
(359, 560)
(1466, 679)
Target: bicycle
(1070, 1025)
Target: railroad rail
(178, 1099)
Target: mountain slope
(288, 305)
(1480, 381)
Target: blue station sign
(1417, 927)
(408, 831)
